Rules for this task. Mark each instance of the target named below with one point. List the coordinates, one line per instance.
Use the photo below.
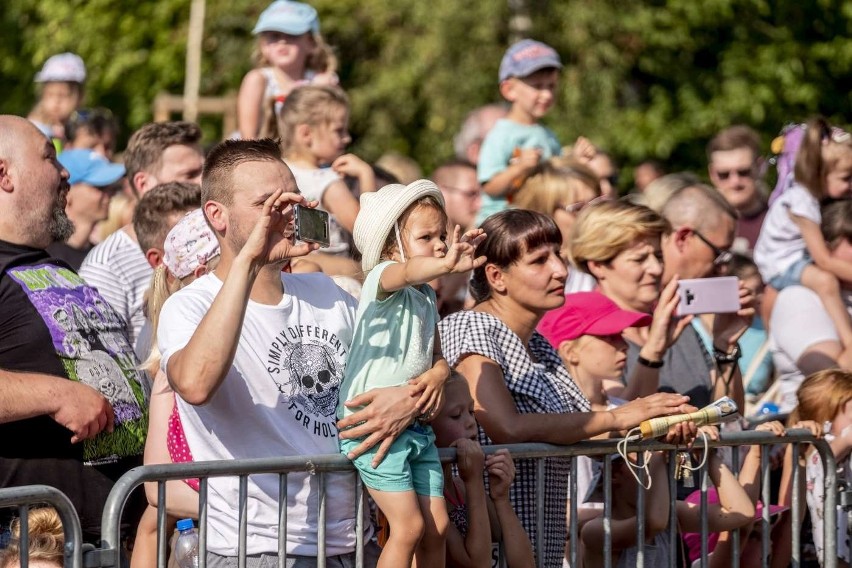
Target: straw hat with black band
(379, 213)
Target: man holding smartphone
(251, 349)
(702, 363)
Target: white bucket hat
(379, 213)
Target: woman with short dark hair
(521, 390)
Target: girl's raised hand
(460, 251)
(470, 459)
(501, 473)
(350, 165)
(272, 238)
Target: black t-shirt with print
(51, 322)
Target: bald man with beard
(72, 410)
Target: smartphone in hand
(708, 295)
(311, 225)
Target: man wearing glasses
(702, 362)
(734, 165)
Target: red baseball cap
(588, 313)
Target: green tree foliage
(659, 78)
(645, 78)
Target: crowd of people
(158, 307)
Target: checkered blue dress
(542, 386)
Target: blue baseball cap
(288, 17)
(526, 57)
(87, 166)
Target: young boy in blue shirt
(529, 73)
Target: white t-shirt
(579, 281)
(780, 243)
(278, 399)
(798, 321)
(313, 183)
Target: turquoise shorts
(411, 463)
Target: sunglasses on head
(575, 208)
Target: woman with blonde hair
(619, 244)
(190, 250)
(559, 188)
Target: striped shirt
(121, 273)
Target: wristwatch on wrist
(648, 363)
(723, 358)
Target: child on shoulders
(529, 73)
(790, 249)
(290, 52)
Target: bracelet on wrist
(648, 363)
(724, 358)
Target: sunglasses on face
(575, 208)
(743, 173)
(723, 257)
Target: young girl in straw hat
(401, 232)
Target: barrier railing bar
(359, 524)
(24, 537)
(323, 463)
(672, 458)
(764, 521)
(321, 549)
(243, 521)
(735, 535)
(705, 527)
(73, 533)
(797, 504)
(203, 491)
(161, 524)
(282, 520)
(573, 535)
(607, 511)
(829, 465)
(640, 510)
(539, 513)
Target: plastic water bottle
(768, 408)
(186, 547)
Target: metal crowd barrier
(23, 497)
(108, 554)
